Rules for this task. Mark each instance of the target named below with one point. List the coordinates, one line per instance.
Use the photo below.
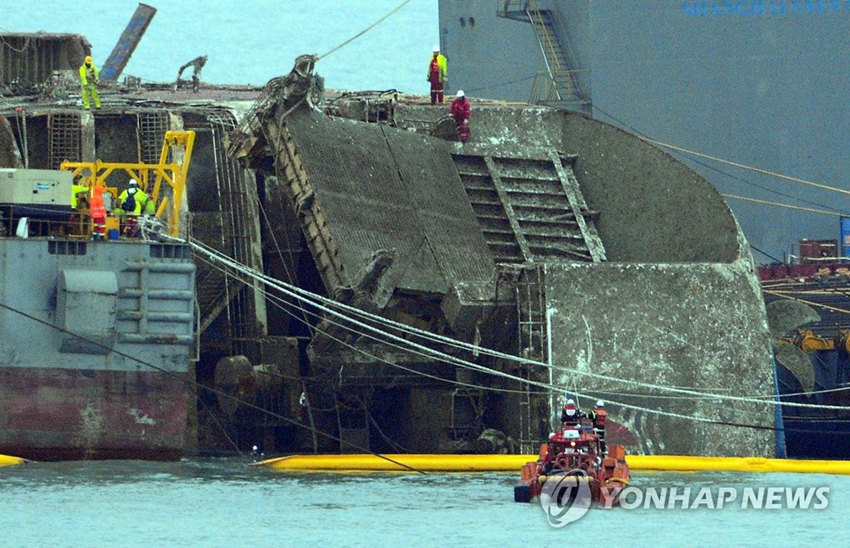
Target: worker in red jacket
(599, 418)
(570, 415)
(460, 112)
(438, 71)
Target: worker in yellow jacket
(78, 191)
(438, 73)
(132, 203)
(88, 79)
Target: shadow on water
(126, 472)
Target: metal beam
(509, 210)
(126, 45)
(573, 192)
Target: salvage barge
(563, 244)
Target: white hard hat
(134, 182)
(570, 402)
(460, 93)
(600, 403)
(436, 49)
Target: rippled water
(251, 42)
(226, 502)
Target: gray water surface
(227, 502)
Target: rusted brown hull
(60, 414)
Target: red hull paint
(62, 414)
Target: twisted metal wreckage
(399, 290)
(579, 262)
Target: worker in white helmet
(460, 112)
(570, 416)
(133, 202)
(599, 417)
(438, 74)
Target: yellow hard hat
(88, 59)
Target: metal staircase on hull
(530, 209)
(559, 87)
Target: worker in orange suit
(88, 80)
(437, 74)
(97, 210)
(599, 417)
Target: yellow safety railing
(178, 145)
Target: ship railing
(35, 222)
(826, 259)
(817, 252)
(241, 137)
(575, 76)
(544, 92)
(75, 223)
(568, 82)
(512, 9)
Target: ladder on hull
(559, 86)
(532, 333)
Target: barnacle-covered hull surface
(489, 276)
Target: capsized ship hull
(94, 351)
(527, 240)
(61, 414)
(752, 83)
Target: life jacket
(88, 74)
(97, 209)
(599, 416)
(570, 414)
(96, 206)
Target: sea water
(251, 41)
(229, 502)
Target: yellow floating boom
(513, 463)
(6, 460)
